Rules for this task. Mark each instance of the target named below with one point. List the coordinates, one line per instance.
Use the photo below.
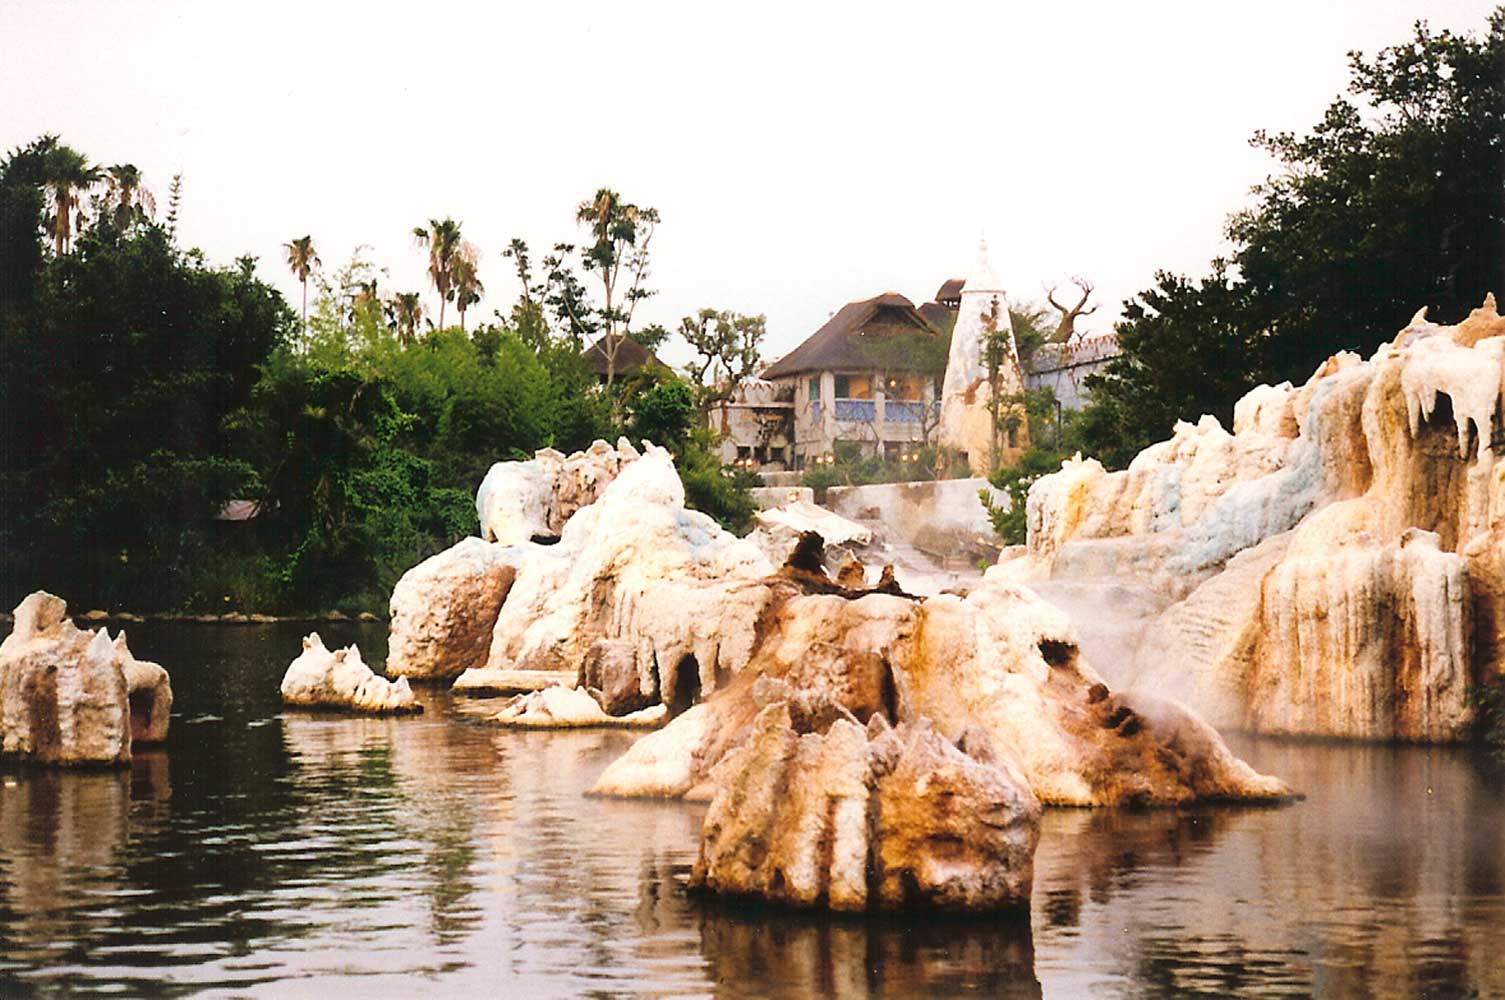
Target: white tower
(966, 424)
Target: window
(854, 387)
(815, 388)
(904, 387)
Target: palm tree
(301, 259)
(467, 286)
(69, 174)
(131, 197)
(442, 238)
(407, 309)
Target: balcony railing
(815, 411)
(857, 410)
(897, 411)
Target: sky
(801, 155)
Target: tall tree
(407, 310)
(468, 287)
(1393, 201)
(69, 176)
(442, 239)
(1066, 327)
(301, 260)
(620, 234)
(126, 195)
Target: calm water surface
(270, 854)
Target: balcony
(862, 411)
(899, 412)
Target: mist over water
(263, 853)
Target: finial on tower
(983, 279)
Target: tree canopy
(1393, 201)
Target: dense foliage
(142, 389)
(1394, 201)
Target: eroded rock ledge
(1335, 562)
(75, 697)
(815, 810)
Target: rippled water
(263, 853)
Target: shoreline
(96, 617)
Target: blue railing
(861, 410)
(899, 412)
(815, 411)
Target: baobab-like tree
(301, 260)
(441, 237)
(1067, 326)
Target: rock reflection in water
(1370, 888)
(754, 952)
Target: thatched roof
(950, 291)
(842, 343)
(630, 356)
(939, 316)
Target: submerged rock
(561, 707)
(443, 611)
(74, 697)
(825, 817)
(1335, 562)
(319, 678)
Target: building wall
(822, 419)
(1064, 368)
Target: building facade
(864, 383)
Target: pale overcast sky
(801, 155)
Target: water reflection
(269, 853)
(761, 952)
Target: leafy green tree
(407, 313)
(728, 348)
(1391, 202)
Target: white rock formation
(319, 678)
(443, 610)
(520, 501)
(793, 518)
(68, 696)
(1335, 563)
(561, 707)
(966, 423)
(638, 568)
(999, 660)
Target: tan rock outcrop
(74, 697)
(816, 815)
(443, 611)
(319, 678)
(999, 660)
(1334, 564)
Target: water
(263, 853)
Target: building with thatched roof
(630, 356)
(865, 382)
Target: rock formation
(999, 660)
(319, 678)
(443, 611)
(69, 696)
(1333, 565)
(561, 707)
(813, 815)
(966, 422)
(523, 501)
(666, 589)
